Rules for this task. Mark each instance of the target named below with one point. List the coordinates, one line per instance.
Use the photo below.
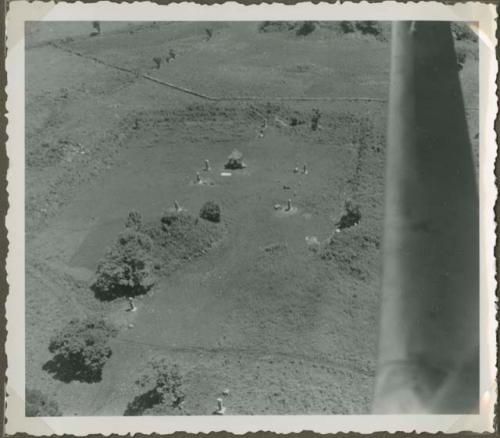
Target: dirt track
(284, 330)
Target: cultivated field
(287, 325)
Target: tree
(39, 405)
(162, 384)
(127, 269)
(81, 349)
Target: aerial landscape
(204, 214)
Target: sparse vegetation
(80, 350)
(163, 393)
(127, 268)
(39, 405)
(210, 211)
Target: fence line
(226, 98)
(216, 98)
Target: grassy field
(286, 329)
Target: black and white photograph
(261, 218)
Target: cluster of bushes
(80, 350)
(162, 390)
(131, 265)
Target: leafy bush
(127, 269)
(134, 220)
(163, 389)
(38, 405)
(81, 349)
(210, 211)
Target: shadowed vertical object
(429, 331)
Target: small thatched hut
(235, 161)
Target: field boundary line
(217, 98)
(227, 98)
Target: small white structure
(177, 206)
(289, 205)
(207, 166)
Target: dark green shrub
(210, 211)
(38, 405)
(127, 268)
(81, 349)
(162, 384)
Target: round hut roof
(235, 155)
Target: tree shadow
(143, 402)
(66, 370)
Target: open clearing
(288, 332)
